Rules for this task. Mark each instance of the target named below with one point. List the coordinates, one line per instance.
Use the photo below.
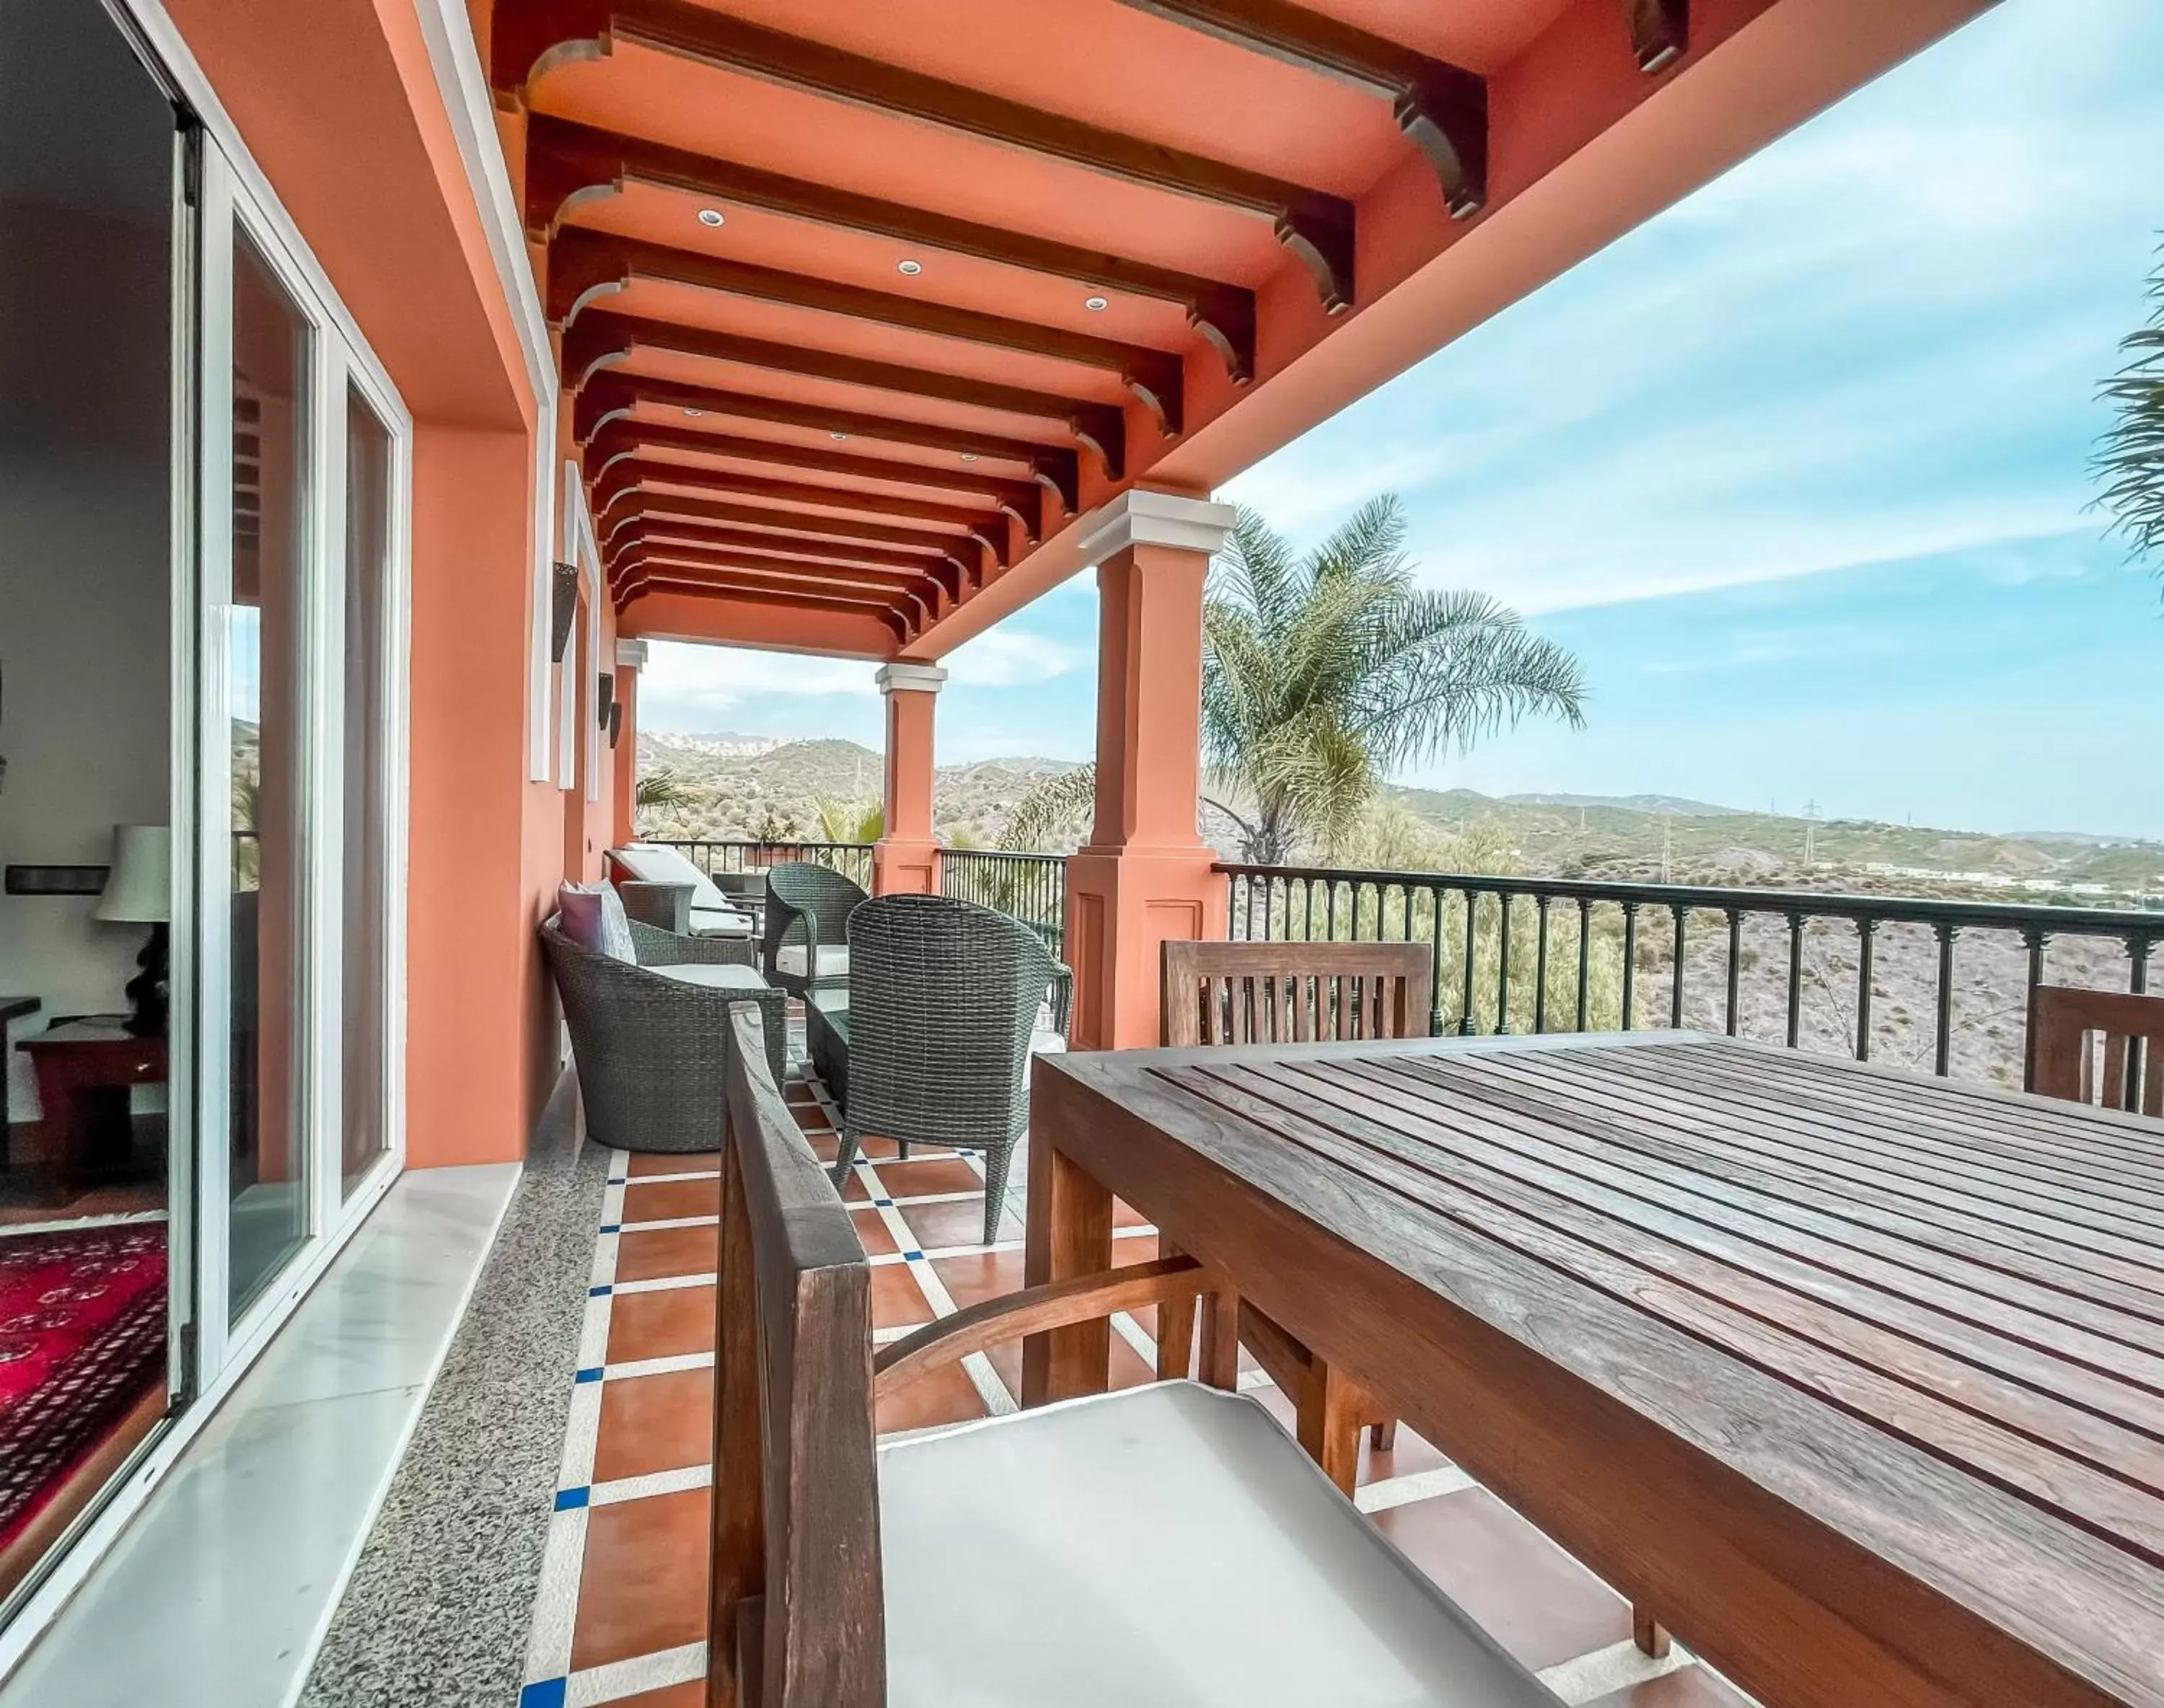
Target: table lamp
(138, 891)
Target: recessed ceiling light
(968, 456)
(837, 435)
(712, 216)
(688, 411)
(1095, 304)
(911, 269)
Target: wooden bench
(1166, 1539)
(2067, 1025)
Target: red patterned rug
(82, 1336)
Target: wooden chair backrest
(2066, 1024)
(1295, 992)
(796, 1618)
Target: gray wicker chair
(808, 908)
(649, 1048)
(665, 907)
(943, 996)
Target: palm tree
(661, 790)
(851, 821)
(1323, 674)
(2130, 460)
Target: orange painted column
(1145, 874)
(906, 860)
(630, 659)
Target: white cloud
(1009, 658)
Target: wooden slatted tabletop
(1854, 1379)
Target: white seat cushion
(668, 865)
(1047, 1043)
(1167, 1545)
(714, 978)
(833, 960)
(719, 921)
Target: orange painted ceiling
(932, 277)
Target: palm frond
(1056, 809)
(2130, 458)
(661, 790)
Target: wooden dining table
(1851, 1377)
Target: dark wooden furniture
(2072, 1028)
(12, 1009)
(1295, 992)
(827, 1039)
(816, 1532)
(84, 1070)
(1854, 1374)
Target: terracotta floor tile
(811, 1117)
(644, 1584)
(1134, 1248)
(897, 1302)
(665, 1201)
(1693, 1687)
(944, 1396)
(655, 1423)
(1530, 1595)
(661, 1324)
(920, 1176)
(970, 1279)
(1124, 1215)
(692, 1695)
(651, 1254)
(960, 1222)
(827, 1146)
(1409, 1457)
(873, 1233)
(647, 1162)
(854, 1190)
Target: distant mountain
(1634, 803)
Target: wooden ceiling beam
(1660, 31)
(926, 589)
(662, 530)
(893, 616)
(1442, 107)
(568, 164)
(628, 477)
(611, 396)
(598, 340)
(787, 524)
(916, 609)
(585, 265)
(528, 40)
(1023, 500)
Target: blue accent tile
(599, 1292)
(884, 1203)
(612, 1228)
(592, 1375)
(570, 1500)
(912, 1257)
(618, 1179)
(547, 1693)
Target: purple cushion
(592, 917)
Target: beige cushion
(713, 978)
(1047, 1043)
(719, 921)
(668, 865)
(1167, 1544)
(833, 960)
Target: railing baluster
(1502, 962)
(1435, 962)
(1467, 1024)
(1541, 965)
(2035, 942)
(1943, 1055)
(1584, 958)
(1629, 961)
(1866, 934)
(1676, 995)
(1735, 967)
(1795, 980)
(2138, 949)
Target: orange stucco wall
(906, 860)
(396, 226)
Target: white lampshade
(139, 887)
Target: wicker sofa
(647, 1040)
(808, 910)
(944, 997)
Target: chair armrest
(658, 948)
(1163, 1282)
(781, 918)
(666, 906)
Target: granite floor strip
(438, 1606)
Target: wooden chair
(2065, 1026)
(1165, 1540)
(1299, 993)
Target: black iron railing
(1031, 887)
(1946, 984)
(853, 859)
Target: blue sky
(1822, 533)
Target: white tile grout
(663, 1283)
(642, 1672)
(664, 1179)
(641, 1488)
(1621, 1666)
(1415, 1485)
(671, 1222)
(658, 1367)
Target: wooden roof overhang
(861, 308)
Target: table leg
(1330, 1406)
(1070, 1234)
(1175, 1328)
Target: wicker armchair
(943, 999)
(650, 1048)
(808, 908)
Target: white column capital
(910, 679)
(1141, 517)
(631, 654)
